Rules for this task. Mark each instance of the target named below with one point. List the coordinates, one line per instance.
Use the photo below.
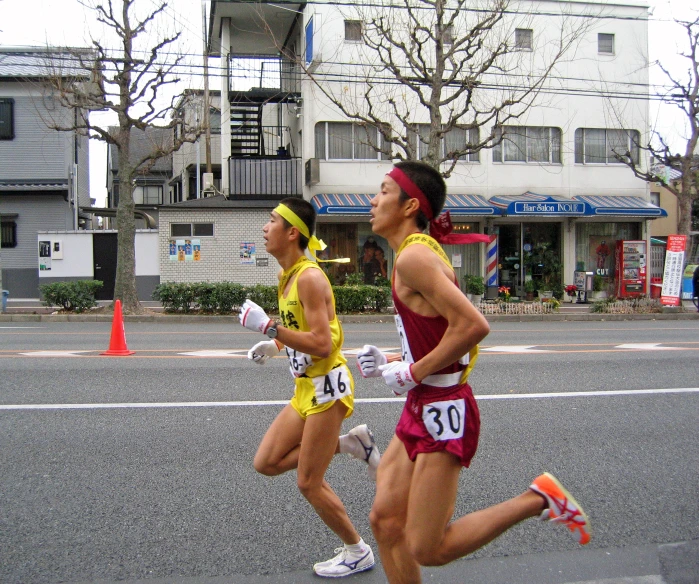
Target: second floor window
(7, 122)
(353, 30)
(536, 144)
(600, 146)
(148, 195)
(605, 43)
(523, 38)
(454, 142)
(347, 141)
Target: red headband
(441, 227)
(412, 190)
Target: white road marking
(513, 349)
(53, 353)
(216, 353)
(369, 400)
(646, 347)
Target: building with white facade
(552, 189)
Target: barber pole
(491, 274)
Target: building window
(447, 34)
(191, 229)
(7, 120)
(215, 120)
(347, 141)
(455, 140)
(353, 30)
(9, 233)
(523, 38)
(655, 199)
(598, 146)
(605, 43)
(541, 145)
(148, 195)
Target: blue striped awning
(360, 204)
(601, 205)
(534, 205)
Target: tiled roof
(33, 185)
(29, 62)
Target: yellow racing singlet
(293, 317)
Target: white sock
(357, 548)
(350, 445)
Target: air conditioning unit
(208, 180)
(312, 171)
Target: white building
(552, 185)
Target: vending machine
(630, 268)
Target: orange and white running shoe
(562, 507)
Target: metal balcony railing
(274, 176)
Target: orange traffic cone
(117, 343)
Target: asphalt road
(139, 468)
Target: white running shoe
(371, 456)
(345, 563)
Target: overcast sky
(66, 23)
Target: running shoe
(372, 456)
(562, 507)
(345, 563)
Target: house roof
(39, 63)
(220, 202)
(142, 143)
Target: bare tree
(683, 93)
(129, 81)
(469, 67)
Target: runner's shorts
(440, 419)
(314, 395)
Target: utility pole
(207, 123)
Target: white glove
(253, 317)
(369, 359)
(263, 351)
(398, 376)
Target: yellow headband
(314, 244)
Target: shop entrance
(529, 251)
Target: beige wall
(666, 225)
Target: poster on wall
(601, 256)
(173, 251)
(247, 253)
(188, 256)
(44, 255)
(196, 249)
(372, 258)
(180, 250)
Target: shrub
(175, 296)
(361, 298)
(264, 296)
(75, 296)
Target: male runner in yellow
(304, 436)
(437, 433)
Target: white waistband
(443, 379)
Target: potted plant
(504, 293)
(598, 290)
(529, 288)
(571, 291)
(545, 291)
(476, 287)
(467, 282)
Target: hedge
(227, 297)
(75, 296)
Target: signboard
(672, 276)
(548, 208)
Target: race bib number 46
(334, 385)
(445, 420)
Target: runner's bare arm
(425, 284)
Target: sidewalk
(32, 310)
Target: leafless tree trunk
(683, 92)
(455, 65)
(129, 81)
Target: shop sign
(549, 208)
(672, 276)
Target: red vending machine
(630, 269)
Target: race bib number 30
(334, 385)
(445, 420)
